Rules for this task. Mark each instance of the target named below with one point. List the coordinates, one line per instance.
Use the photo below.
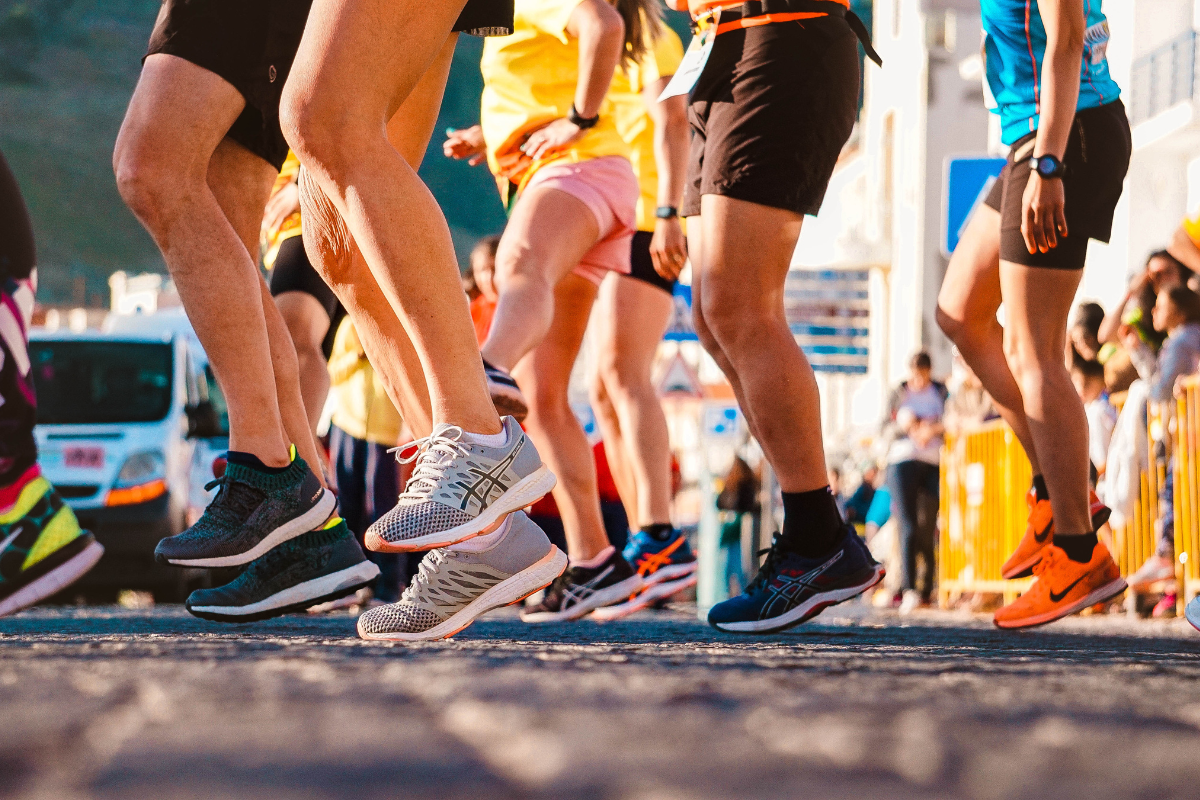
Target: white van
(120, 415)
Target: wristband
(583, 123)
(666, 212)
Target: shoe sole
(297, 526)
(670, 573)
(1025, 568)
(511, 590)
(1105, 592)
(652, 594)
(604, 597)
(803, 612)
(53, 581)
(525, 492)
(300, 597)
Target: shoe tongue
(442, 429)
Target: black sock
(812, 524)
(1039, 486)
(1078, 547)
(659, 531)
(253, 462)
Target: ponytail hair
(643, 25)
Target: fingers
(1060, 221)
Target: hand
(282, 205)
(1128, 336)
(466, 143)
(1043, 219)
(553, 136)
(668, 248)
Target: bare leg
(630, 321)
(543, 376)
(358, 61)
(616, 447)
(308, 323)
(176, 120)
(338, 259)
(1038, 301)
(744, 255)
(966, 312)
(548, 234)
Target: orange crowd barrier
(1187, 490)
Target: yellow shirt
(364, 409)
(271, 240)
(1191, 225)
(529, 80)
(633, 120)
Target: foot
(581, 590)
(306, 570)
(790, 589)
(1040, 531)
(666, 567)
(910, 602)
(42, 548)
(253, 512)
(1156, 568)
(506, 395)
(1062, 588)
(1192, 612)
(453, 588)
(461, 490)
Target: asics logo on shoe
(651, 563)
(573, 595)
(1056, 597)
(488, 482)
(786, 590)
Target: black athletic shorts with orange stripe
(771, 112)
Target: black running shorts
(293, 272)
(1097, 159)
(18, 255)
(643, 265)
(252, 43)
(771, 112)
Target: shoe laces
(235, 500)
(433, 456)
(430, 564)
(769, 568)
(1052, 557)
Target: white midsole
(54, 581)
(651, 594)
(671, 572)
(802, 610)
(603, 597)
(1106, 591)
(297, 526)
(356, 575)
(507, 591)
(525, 492)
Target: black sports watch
(1048, 166)
(583, 123)
(666, 212)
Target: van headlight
(143, 477)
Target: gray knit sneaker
(313, 568)
(253, 512)
(453, 588)
(460, 490)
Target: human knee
(322, 129)
(306, 320)
(150, 178)
(733, 323)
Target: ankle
(596, 560)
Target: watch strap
(583, 123)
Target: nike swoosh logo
(1043, 536)
(1056, 597)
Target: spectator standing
(915, 412)
(859, 503)
(738, 497)
(365, 425)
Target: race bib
(693, 62)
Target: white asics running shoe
(460, 490)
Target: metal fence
(1163, 77)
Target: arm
(1043, 219)
(465, 143)
(1110, 328)
(601, 34)
(672, 140)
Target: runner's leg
(966, 313)
(162, 160)
(357, 63)
(308, 324)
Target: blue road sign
(968, 181)
(681, 328)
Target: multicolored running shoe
(667, 567)
(42, 548)
(790, 589)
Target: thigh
(629, 322)
(411, 127)
(971, 289)
(1037, 302)
(746, 252)
(549, 232)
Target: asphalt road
(110, 703)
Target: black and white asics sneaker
(581, 590)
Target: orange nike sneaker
(1040, 532)
(1062, 588)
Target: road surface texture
(112, 703)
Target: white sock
(485, 542)
(487, 439)
(595, 560)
